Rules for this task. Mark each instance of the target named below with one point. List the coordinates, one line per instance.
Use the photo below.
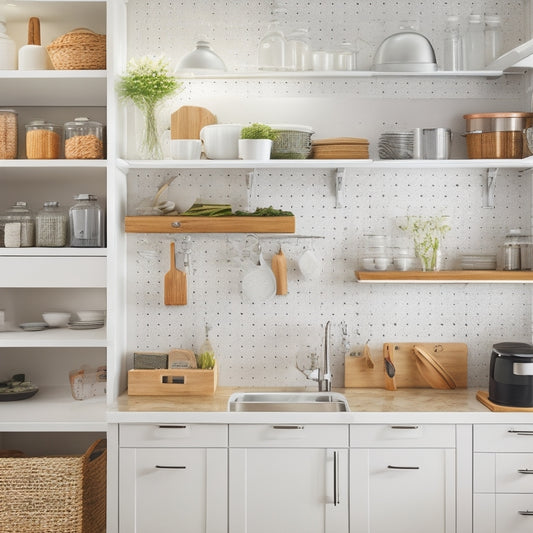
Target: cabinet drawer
(36, 271)
(402, 436)
(503, 472)
(503, 438)
(173, 435)
(512, 513)
(289, 435)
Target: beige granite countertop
(366, 406)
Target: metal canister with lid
(86, 221)
(84, 139)
(51, 225)
(43, 140)
(17, 225)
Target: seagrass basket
(54, 494)
(79, 49)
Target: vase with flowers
(427, 233)
(146, 83)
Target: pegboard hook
(339, 187)
(250, 184)
(489, 189)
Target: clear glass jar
(345, 58)
(474, 44)
(51, 225)
(43, 140)
(272, 48)
(8, 134)
(493, 38)
(299, 54)
(84, 139)
(86, 221)
(453, 53)
(17, 224)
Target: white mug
(185, 148)
(221, 141)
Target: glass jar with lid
(86, 221)
(17, 224)
(8, 134)
(43, 140)
(84, 139)
(51, 225)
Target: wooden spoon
(432, 371)
(175, 282)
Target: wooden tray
(483, 397)
(173, 382)
(451, 355)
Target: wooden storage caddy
(172, 382)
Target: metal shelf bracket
(339, 187)
(490, 188)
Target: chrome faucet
(324, 378)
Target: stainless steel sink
(320, 402)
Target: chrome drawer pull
(525, 471)
(518, 432)
(287, 427)
(172, 427)
(404, 427)
(336, 499)
(393, 467)
(526, 513)
(171, 467)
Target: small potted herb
(256, 141)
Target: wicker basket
(292, 142)
(54, 494)
(79, 49)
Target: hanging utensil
(367, 356)
(175, 282)
(279, 267)
(390, 371)
(432, 371)
(258, 283)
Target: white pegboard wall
(259, 343)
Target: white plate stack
(88, 320)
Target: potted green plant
(256, 141)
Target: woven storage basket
(79, 49)
(292, 142)
(54, 494)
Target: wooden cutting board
(188, 120)
(451, 355)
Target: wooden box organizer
(173, 382)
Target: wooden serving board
(451, 355)
(188, 120)
(483, 397)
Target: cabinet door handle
(519, 432)
(404, 427)
(171, 467)
(525, 471)
(287, 427)
(172, 427)
(336, 496)
(394, 467)
(526, 513)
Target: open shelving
(445, 276)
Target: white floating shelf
(54, 409)
(327, 163)
(54, 338)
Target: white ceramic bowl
(56, 319)
(91, 315)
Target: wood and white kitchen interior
(429, 412)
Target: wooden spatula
(175, 282)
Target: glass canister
(18, 226)
(51, 225)
(84, 139)
(43, 140)
(8, 134)
(86, 221)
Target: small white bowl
(90, 315)
(56, 319)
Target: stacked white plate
(88, 320)
(478, 262)
(396, 145)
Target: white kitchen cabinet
(503, 478)
(288, 478)
(173, 478)
(402, 477)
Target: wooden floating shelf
(446, 276)
(229, 224)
